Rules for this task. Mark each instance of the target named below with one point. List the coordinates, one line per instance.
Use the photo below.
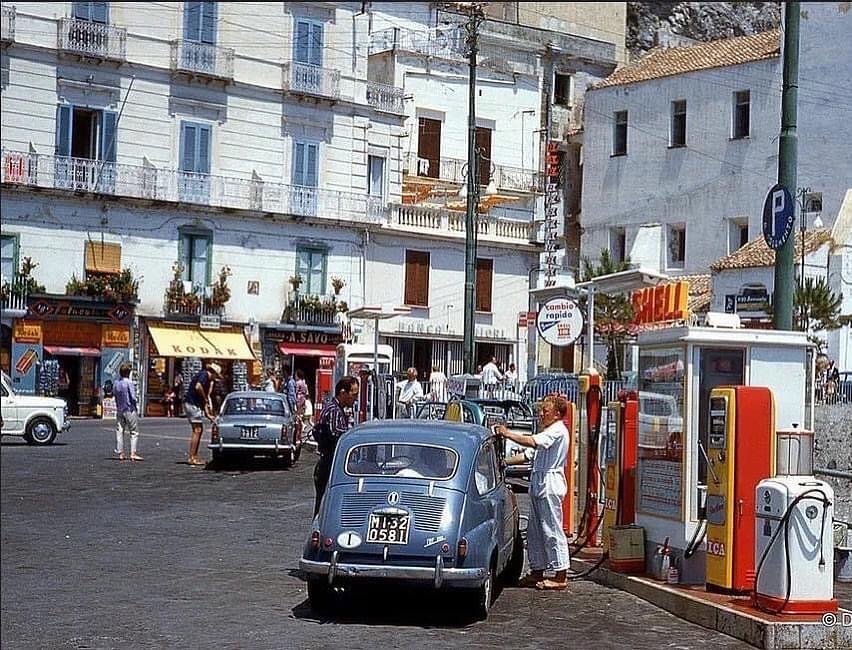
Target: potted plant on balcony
(175, 295)
(337, 284)
(221, 293)
(107, 287)
(24, 284)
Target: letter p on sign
(777, 217)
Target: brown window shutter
(483, 145)
(484, 274)
(417, 278)
(429, 146)
(102, 258)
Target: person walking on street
(547, 546)
(198, 405)
(127, 416)
(288, 387)
(410, 391)
(333, 423)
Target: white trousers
(547, 546)
(128, 422)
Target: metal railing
(311, 310)
(382, 97)
(195, 303)
(440, 219)
(444, 42)
(202, 58)
(148, 182)
(454, 170)
(13, 295)
(7, 24)
(306, 79)
(92, 39)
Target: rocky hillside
(700, 21)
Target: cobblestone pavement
(98, 553)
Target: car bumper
(277, 447)
(66, 426)
(438, 576)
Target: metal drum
(794, 452)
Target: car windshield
(254, 406)
(403, 460)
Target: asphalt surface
(98, 553)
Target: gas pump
(620, 442)
(590, 389)
(740, 453)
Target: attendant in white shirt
(409, 392)
(491, 376)
(438, 385)
(547, 546)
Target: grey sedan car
(254, 423)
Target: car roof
(459, 435)
(256, 394)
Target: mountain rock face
(699, 21)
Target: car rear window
(254, 406)
(402, 459)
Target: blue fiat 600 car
(420, 503)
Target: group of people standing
(295, 388)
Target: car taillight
(214, 432)
(285, 432)
(462, 548)
(316, 536)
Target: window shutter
(417, 278)
(202, 163)
(99, 12)
(484, 276)
(102, 257)
(208, 22)
(311, 170)
(483, 145)
(187, 147)
(316, 44)
(301, 48)
(108, 136)
(298, 163)
(192, 21)
(63, 130)
(82, 10)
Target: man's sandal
(551, 585)
(529, 581)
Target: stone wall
(833, 450)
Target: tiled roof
(714, 54)
(700, 292)
(757, 253)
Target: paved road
(98, 553)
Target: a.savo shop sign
(560, 321)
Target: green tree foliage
(815, 308)
(613, 313)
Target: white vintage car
(37, 419)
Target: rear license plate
(249, 433)
(388, 529)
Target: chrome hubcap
(41, 431)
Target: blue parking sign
(778, 215)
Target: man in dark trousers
(198, 405)
(333, 423)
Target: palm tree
(815, 308)
(613, 313)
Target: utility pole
(475, 18)
(787, 162)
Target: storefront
(310, 350)
(71, 347)
(173, 353)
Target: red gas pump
(590, 520)
(568, 502)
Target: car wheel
(41, 431)
(319, 595)
(287, 459)
(297, 453)
(483, 595)
(515, 567)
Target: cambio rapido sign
(560, 322)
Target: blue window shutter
(63, 130)
(311, 166)
(108, 136)
(184, 246)
(208, 22)
(301, 45)
(316, 44)
(82, 10)
(298, 163)
(202, 162)
(187, 147)
(192, 21)
(99, 12)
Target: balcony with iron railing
(90, 39)
(202, 59)
(7, 24)
(150, 183)
(306, 79)
(322, 311)
(13, 297)
(438, 219)
(443, 42)
(382, 97)
(454, 170)
(191, 302)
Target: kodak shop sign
(666, 302)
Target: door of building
(429, 147)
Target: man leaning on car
(333, 423)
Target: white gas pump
(793, 533)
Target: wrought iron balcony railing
(453, 170)
(311, 310)
(441, 219)
(13, 296)
(92, 39)
(195, 302)
(148, 182)
(203, 59)
(7, 24)
(385, 98)
(306, 79)
(443, 42)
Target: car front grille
(427, 511)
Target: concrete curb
(769, 635)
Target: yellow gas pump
(739, 454)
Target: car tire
(40, 431)
(515, 566)
(297, 453)
(320, 596)
(287, 459)
(483, 596)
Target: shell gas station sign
(660, 304)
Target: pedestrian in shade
(127, 416)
